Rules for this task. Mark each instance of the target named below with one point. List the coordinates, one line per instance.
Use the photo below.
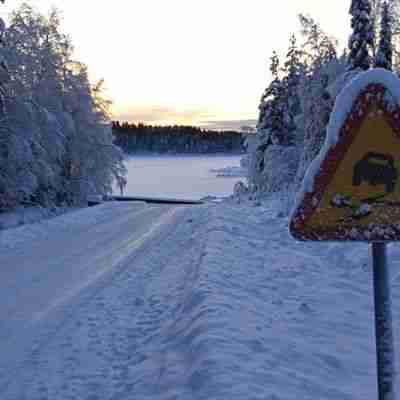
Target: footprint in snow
(305, 308)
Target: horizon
(233, 125)
(193, 63)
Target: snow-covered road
(50, 270)
(212, 302)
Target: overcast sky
(186, 61)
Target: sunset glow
(186, 61)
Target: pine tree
(270, 121)
(293, 65)
(274, 119)
(294, 70)
(384, 55)
(362, 39)
(269, 126)
(276, 128)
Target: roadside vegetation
(295, 107)
(56, 144)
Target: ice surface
(181, 176)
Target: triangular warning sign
(352, 189)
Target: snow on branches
(56, 145)
(384, 55)
(362, 39)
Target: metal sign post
(383, 323)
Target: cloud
(158, 115)
(164, 115)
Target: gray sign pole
(383, 323)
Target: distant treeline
(175, 139)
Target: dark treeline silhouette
(175, 139)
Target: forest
(134, 138)
(295, 107)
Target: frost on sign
(352, 190)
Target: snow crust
(342, 108)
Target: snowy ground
(128, 301)
(28, 215)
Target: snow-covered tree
(317, 46)
(320, 75)
(277, 130)
(279, 104)
(16, 145)
(323, 67)
(376, 15)
(269, 127)
(384, 55)
(91, 161)
(317, 103)
(56, 144)
(270, 121)
(362, 38)
(294, 71)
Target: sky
(186, 61)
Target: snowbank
(28, 215)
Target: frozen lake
(182, 176)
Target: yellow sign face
(356, 192)
(366, 187)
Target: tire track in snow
(49, 321)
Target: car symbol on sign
(376, 169)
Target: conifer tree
(270, 119)
(362, 39)
(294, 70)
(269, 126)
(384, 55)
(275, 118)
(294, 112)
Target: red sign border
(372, 95)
